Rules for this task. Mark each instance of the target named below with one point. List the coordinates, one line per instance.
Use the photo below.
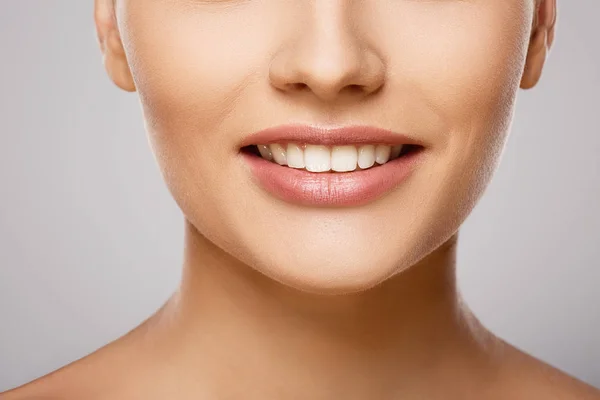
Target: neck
(393, 338)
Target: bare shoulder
(108, 373)
(50, 386)
(531, 378)
(68, 382)
(96, 376)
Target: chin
(334, 267)
(330, 279)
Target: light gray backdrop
(77, 179)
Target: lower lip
(354, 188)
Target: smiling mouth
(330, 167)
(324, 158)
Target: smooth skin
(280, 301)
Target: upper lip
(323, 135)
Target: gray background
(91, 241)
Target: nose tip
(328, 66)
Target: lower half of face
(210, 73)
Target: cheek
(469, 67)
(191, 69)
(186, 66)
(465, 58)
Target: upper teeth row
(319, 158)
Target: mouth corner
(250, 149)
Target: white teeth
(265, 152)
(366, 156)
(344, 158)
(295, 156)
(382, 153)
(396, 151)
(317, 158)
(278, 154)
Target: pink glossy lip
(358, 134)
(306, 188)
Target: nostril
(298, 86)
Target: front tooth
(278, 154)
(344, 158)
(265, 152)
(317, 158)
(382, 153)
(295, 156)
(366, 156)
(396, 151)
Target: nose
(328, 58)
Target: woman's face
(210, 73)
